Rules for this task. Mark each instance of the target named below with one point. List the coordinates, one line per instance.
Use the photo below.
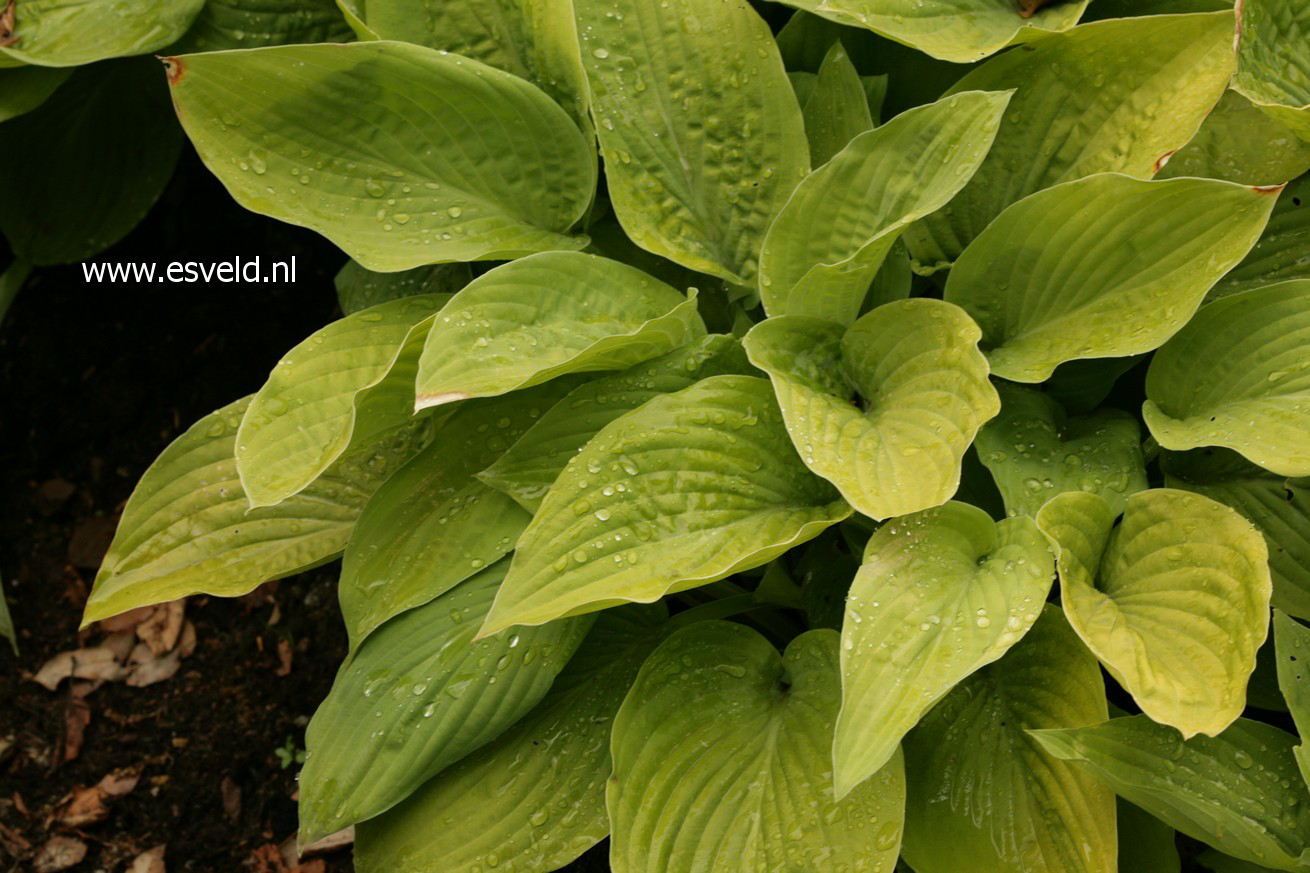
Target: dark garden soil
(94, 381)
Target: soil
(95, 380)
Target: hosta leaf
(1239, 791)
(1279, 507)
(687, 489)
(923, 386)
(533, 39)
(674, 84)
(242, 24)
(22, 89)
(532, 464)
(1146, 844)
(1058, 275)
(531, 320)
(188, 528)
(831, 237)
(1293, 651)
(344, 383)
(1218, 862)
(1240, 143)
(1112, 96)
(1174, 600)
(960, 31)
(722, 761)
(1281, 252)
(533, 798)
(1080, 385)
(432, 525)
(1035, 451)
(838, 109)
(418, 696)
(359, 288)
(982, 794)
(85, 166)
(69, 33)
(940, 594)
(1238, 376)
(401, 155)
(7, 623)
(1273, 68)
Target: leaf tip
(1161, 161)
(427, 401)
(1269, 189)
(174, 68)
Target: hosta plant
(865, 436)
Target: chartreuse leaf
(188, 528)
(1080, 386)
(24, 88)
(832, 236)
(533, 319)
(1058, 275)
(401, 155)
(1238, 376)
(1146, 844)
(838, 109)
(242, 24)
(1281, 252)
(960, 31)
(80, 170)
(418, 696)
(674, 83)
(1273, 68)
(1292, 640)
(7, 623)
(358, 288)
(60, 33)
(915, 368)
(533, 798)
(982, 794)
(1174, 600)
(722, 760)
(1240, 143)
(940, 593)
(686, 489)
(1034, 451)
(1279, 507)
(1238, 792)
(344, 383)
(533, 39)
(532, 464)
(432, 525)
(1112, 96)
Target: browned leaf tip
(174, 68)
(7, 25)
(1162, 160)
(1268, 189)
(1030, 7)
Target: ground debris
(84, 806)
(151, 861)
(59, 853)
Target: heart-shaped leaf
(1272, 69)
(344, 383)
(57, 33)
(915, 367)
(401, 155)
(687, 489)
(1238, 791)
(419, 695)
(674, 83)
(242, 24)
(532, 464)
(24, 88)
(982, 795)
(533, 798)
(837, 110)
(832, 236)
(960, 31)
(1146, 844)
(1280, 253)
(722, 761)
(1292, 640)
(1174, 600)
(1035, 451)
(1238, 376)
(1111, 96)
(188, 528)
(1239, 143)
(940, 594)
(1278, 506)
(536, 318)
(432, 525)
(1056, 276)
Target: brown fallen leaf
(59, 853)
(161, 630)
(331, 843)
(147, 668)
(149, 862)
(84, 806)
(100, 663)
(77, 716)
(126, 620)
(186, 646)
(12, 843)
(284, 658)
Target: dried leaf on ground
(149, 862)
(84, 806)
(59, 853)
(284, 658)
(98, 662)
(163, 627)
